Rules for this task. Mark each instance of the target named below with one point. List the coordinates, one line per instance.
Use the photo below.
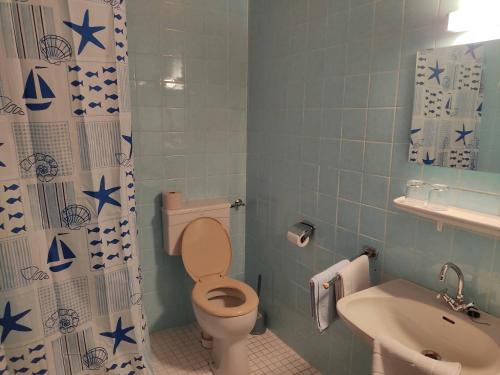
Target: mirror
(456, 107)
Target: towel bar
(370, 252)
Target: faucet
(458, 303)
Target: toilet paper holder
(303, 229)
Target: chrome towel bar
(369, 251)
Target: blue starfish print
(103, 195)
(436, 72)
(9, 322)
(119, 335)
(428, 160)
(128, 139)
(471, 49)
(86, 32)
(413, 131)
(462, 134)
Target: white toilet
(225, 308)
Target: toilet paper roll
(172, 200)
(300, 240)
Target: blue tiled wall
(330, 97)
(188, 66)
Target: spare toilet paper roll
(299, 240)
(172, 200)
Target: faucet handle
(470, 306)
(442, 293)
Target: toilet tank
(175, 221)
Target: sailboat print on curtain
(54, 259)
(38, 98)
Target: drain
(431, 354)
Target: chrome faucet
(458, 303)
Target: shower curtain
(70, 278)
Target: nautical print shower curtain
(70, 279)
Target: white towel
(323, 301)
(354, 277)
(390, 357)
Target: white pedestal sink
(412, 315)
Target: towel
(390, 357)
(324, 301)
(354, 277)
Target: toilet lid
(206, 248)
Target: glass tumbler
(438, 197)
(416, 192)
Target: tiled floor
(178, 351)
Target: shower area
(104, 105)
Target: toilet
(225, 308)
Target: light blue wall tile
(328, 180)
(432, 242)
(310, 150)
(351, 156)
(372, 222)
(334, 92)
(335, 60)
(380, 124)
(337, 26)
(350, 185)
(346, 243)
(331, 125)
(383, 89)
(327, 208)
(356, 91)
(354, 124)
(329, 152)
(401, 230)
(386, 51)
(309, 176)
(357, 62)
(420, 13)
(375, 190)
(356, 59)
(338, 5)
(189, 99)
(388, 17)
(348, 215)
(377, 158)
(360, 21)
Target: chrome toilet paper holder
(303, 229)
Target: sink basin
(412, 315)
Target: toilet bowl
(225, 308)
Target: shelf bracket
(439, 226)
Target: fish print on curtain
(70, 278)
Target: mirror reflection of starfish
(436, 72)
(462, 134)
(471, 48)
(413, 131)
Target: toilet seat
(206, 254)
(206, 248)
(201, 296)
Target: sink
(412, 315)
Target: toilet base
(230, 357)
